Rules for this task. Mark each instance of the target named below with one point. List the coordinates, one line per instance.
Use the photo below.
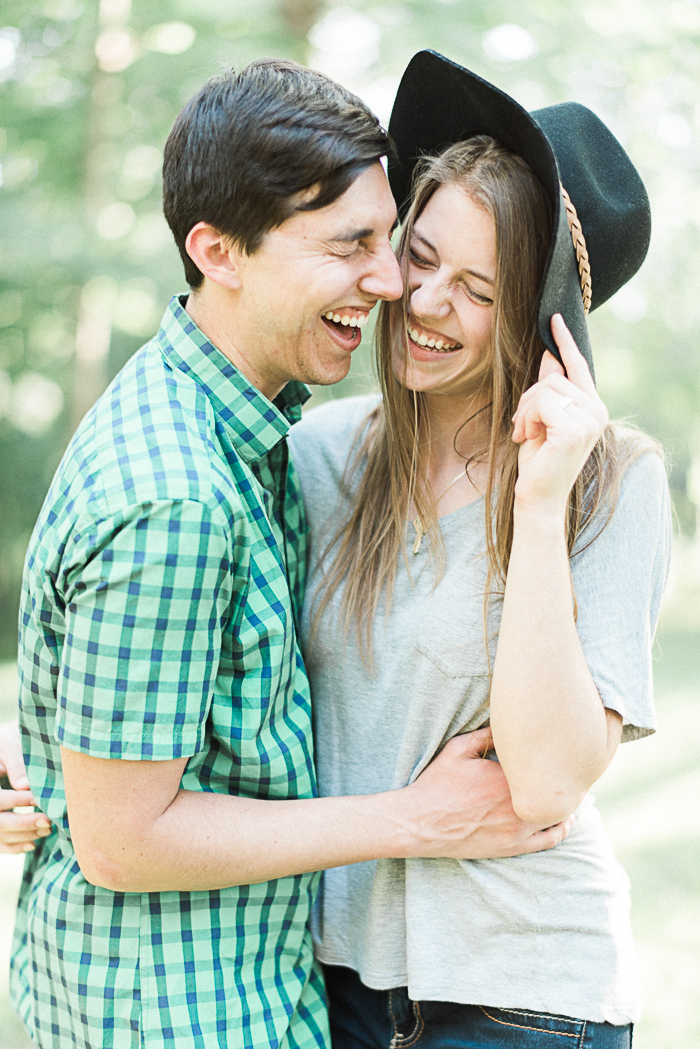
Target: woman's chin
(445, 377)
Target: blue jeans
(365, 1019)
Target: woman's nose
(430, 298)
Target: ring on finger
(565, 402)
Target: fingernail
(28, 848)
(44, 832)
(42, 823)
(22, 783)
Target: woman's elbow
(545, 809)
(548, 796)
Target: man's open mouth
(346, 327)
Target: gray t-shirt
(545, 932)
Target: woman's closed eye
(481, 300)
(419, 260)
(424, 263)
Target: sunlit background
(89, 92)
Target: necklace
(416, 522)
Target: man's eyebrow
(351, 235)
(359, 234)
(430, 247)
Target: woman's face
(452, 269)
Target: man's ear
(213, 253)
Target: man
(165, 707)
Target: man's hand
(17, 829)
(477, 819)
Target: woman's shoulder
(637, 509)
(325, 437)
(332, 419)
(643, 482)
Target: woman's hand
(557, 424)
(18, 830)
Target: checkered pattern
(161, 589)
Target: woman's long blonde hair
(386, 474)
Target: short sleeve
(619, 580)
(146, 599)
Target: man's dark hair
(248, 144)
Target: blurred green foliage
(89, 92)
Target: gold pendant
(420, 532)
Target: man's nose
(383, 279)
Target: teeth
(353, 322)
(432, 343)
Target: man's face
(336, 262)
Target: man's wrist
(395, 828)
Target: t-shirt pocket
(457, 661)
(460, 676)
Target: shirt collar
(256, 424)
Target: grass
(649, 802)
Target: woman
(469, 568)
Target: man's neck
(213, 318)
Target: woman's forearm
(552, 734)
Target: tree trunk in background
(94, 329)
(299, 17)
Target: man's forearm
(135, 830)
(211, 841)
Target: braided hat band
(584, 266)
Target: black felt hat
(439, 103)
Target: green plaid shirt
(160, 594)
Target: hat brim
(440, 103)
